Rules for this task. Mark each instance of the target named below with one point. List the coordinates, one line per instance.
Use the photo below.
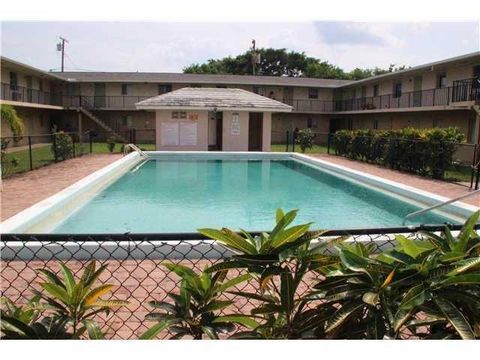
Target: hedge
(427, 152)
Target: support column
(267, 131)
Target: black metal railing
(29, 152)
(23, 94)
(462, 90)
(134, 266)
(423, 98)
(102, 102)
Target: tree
(280, 62)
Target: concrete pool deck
(23, 190)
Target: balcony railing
(462, 90)
(424, 98)
(23, 94)
(103, 102)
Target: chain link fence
(134, 267)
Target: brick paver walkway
(442, 188)
(23, 190)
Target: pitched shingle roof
(214, 79)
(210, 98)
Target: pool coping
(46, 207)
(38, 212)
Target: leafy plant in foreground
(429, 288)
(25, 322)
(359, 288)
(75, 302)
(195, 309)
(444, 288)
(279, 261)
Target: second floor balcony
(10, 92)
(467, 90)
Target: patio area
(438, 187)
(23, 190)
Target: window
(312, 93)
(375, 90)
(124, 89)
(163, 89)
(441, 81)
(397, 89)
(309, 123)
(375, 124)
(40, 85)
(127, 121)
(13, 81)
(350, 124)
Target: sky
(170, 46)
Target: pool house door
(215, 131)
(255, 131)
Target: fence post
(286, 142)
(54, 140)
(134, 136)
(90, 140)
(294, 137)
(328, 143)
(73, 143)
(30, 151)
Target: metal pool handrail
(418, 212)
(135, 148)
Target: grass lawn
(458, 174)
(316, 149)
(43, 155)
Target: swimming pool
(180, 192)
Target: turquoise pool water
(183, 195)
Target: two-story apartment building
(443, 93)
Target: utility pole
(255, 57)
(61, 47)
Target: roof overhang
(212, 108)
(213, 99)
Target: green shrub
(62, 146)
(421, 151)
(305, 138)
(111, 142)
